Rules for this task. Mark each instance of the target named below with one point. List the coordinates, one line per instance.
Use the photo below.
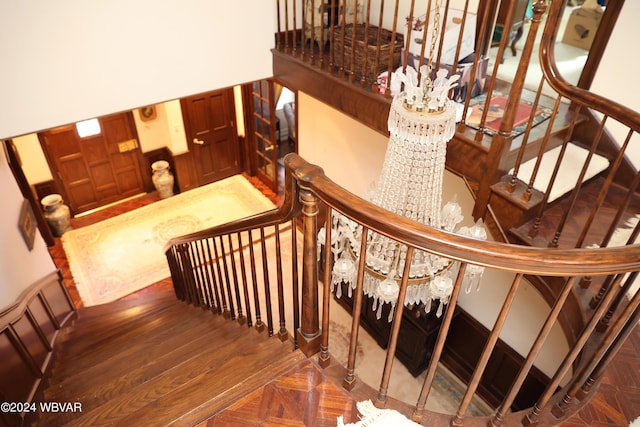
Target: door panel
(212, 138)
(95, 170)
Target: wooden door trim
(13, 159)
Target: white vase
(57, 214)
(162, 178)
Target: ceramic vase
(57, 214)
(162, 178)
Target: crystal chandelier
(421, 122)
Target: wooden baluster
(287, 46)
(205, 279)
(621, 297)
(303, 35)
(486, 352)
(599, 370)
(604, 323)
(540, 340)
(323, 9)
(425, 35)
(254, 281)
(395, 330)
(265, 279)
(197, 293)
(438, 348)
(410, 19)
(236, 286)
(214, 281)
(177, 272)
(349, 380)
(312, 36)
(227, 279)
(294, 47)
(376, 60)
(354, 43)
(484, 33)
(295, 280)
(456, 57)
(363, 78)
(279, 28)
(621, 210)
(533, 231)
(526, 196)
(309, 333)
(334, 8)
(188, 270)
(516, 168)
(245, 284)
(220, 259)
(574, 193)
(282, 332)
(531, 418)
(393, 47)
(343, 35)
(324, 359)
(628, 317)
(605, 188)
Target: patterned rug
(123, 254)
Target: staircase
(151, 358)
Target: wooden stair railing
(307, 187)
(491, 158)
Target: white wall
(617, 71)
(69, 60)
(19, 267)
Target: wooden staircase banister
(309, 183)
(509, 257)
(615, 110)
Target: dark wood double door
(99, 169)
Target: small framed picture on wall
(27, 224)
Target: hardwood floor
(299, 393)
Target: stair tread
(70, 377)
(190, 363)
(181, 387)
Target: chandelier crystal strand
(421, 122)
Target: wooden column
(308, 335)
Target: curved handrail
(508, 257)
(619, 112)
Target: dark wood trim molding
(16, 168)
(28, 330)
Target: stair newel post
(309, 336)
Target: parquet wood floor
(302, 397)
(305, 397)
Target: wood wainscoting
(28, 329)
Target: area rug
(496, 109)
(123, 254)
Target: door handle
(198, 141)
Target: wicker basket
(386, 50)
